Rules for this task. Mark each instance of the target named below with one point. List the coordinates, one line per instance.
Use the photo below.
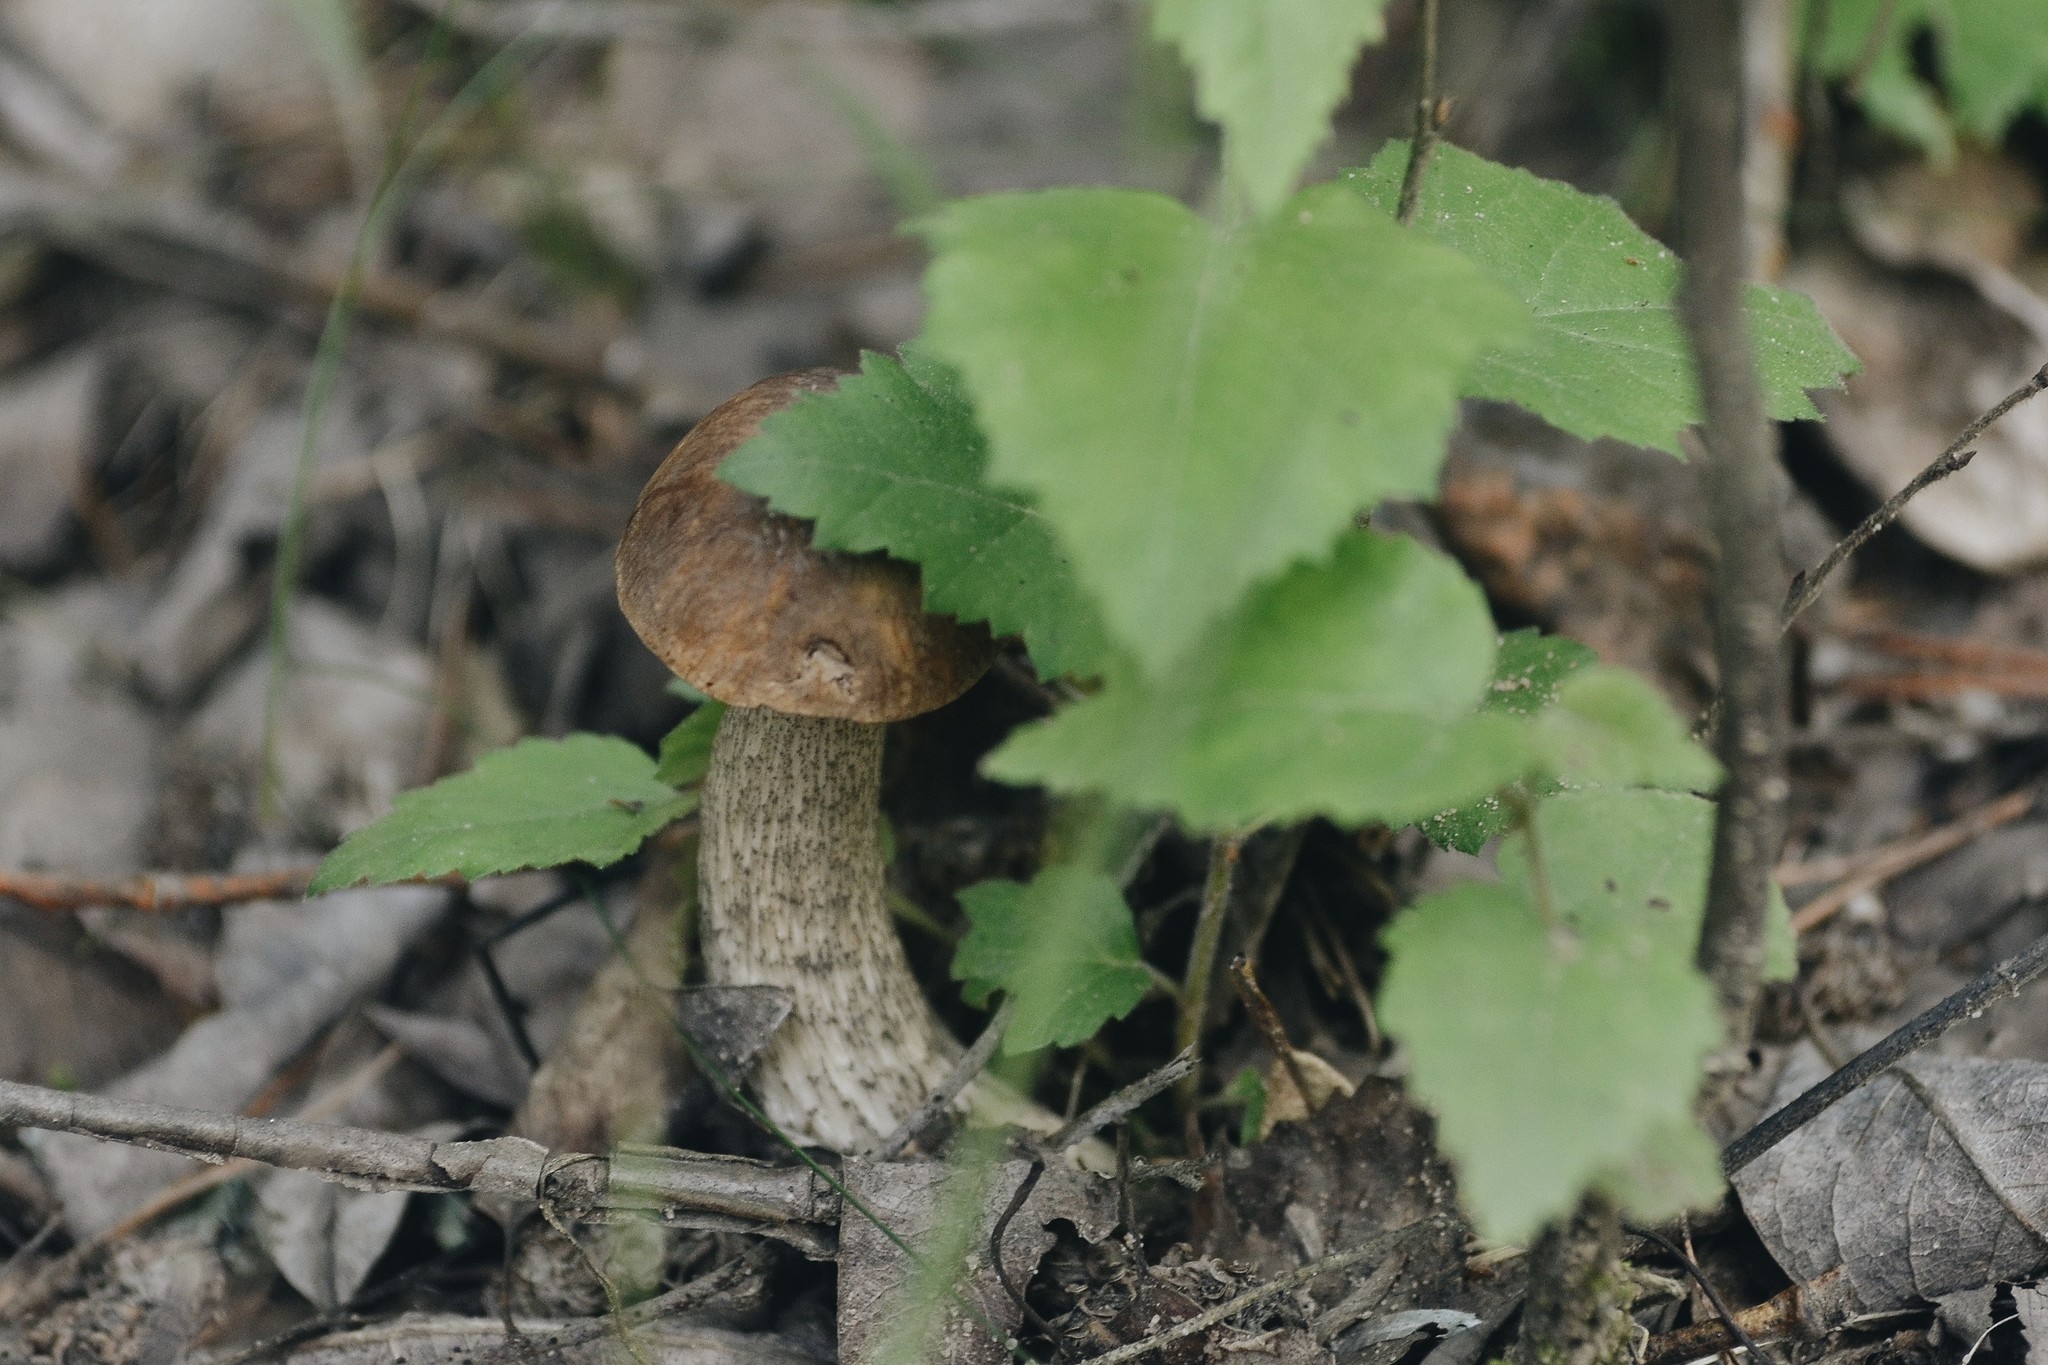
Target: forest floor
(623, 214)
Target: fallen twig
(1120, 1105)
(1806, 1311)
(1961, 653)
(1971, 666)
(1267, 1020)
(778, 1200)
(1911, 687)
(1733, 1328)
(1806, 586)
(683, 1298)
(2000, 983)
(1773, 1318)
(1874, 869)
(1279, 1284)
(155, 892)
(37, 1291)
(970, 1065)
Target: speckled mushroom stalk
(791, 872)
(813, 652)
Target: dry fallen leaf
(1285, 1102)
(1924, 1182)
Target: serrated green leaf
(1195, 408)
(1063, 946)
(1607, 357)
(686, 750)
(1559, 1054)
(1270, 72)
(892, 460)
(1611, 728)
(1349, 689)
(542, 802)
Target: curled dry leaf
(1286, 1102)
(1924, 1182)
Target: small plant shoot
(1141, 439)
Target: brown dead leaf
(1924, 1182)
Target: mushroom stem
(791, 884)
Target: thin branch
(507, 1167)
(1280, 1284)
(156, 893)
(995, 1258)
(34, 1294)
(1739, 472)
(958, 1079)
(1428, 122)
(1886, 863)
(683, 1298)
(1120, 1105)
(1266, 1020)
(1806, 586)
(2002, 982)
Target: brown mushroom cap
(734, 599)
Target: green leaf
(1349, 689)
(1612, 728)
(542, 802)
(1063, 946)
(1194, 408)
(1589, 724)
(892, 460)
(1559, 1053)
(1607, 357)
(1674, 1169)
(1470, 827)
(1993, 56)
(1270, 72)
(1528, 668)
(686, 750)
(1248, 1088)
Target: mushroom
(813, 652)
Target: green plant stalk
(1209, 920)
(1739, 473)
(1426, 124)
